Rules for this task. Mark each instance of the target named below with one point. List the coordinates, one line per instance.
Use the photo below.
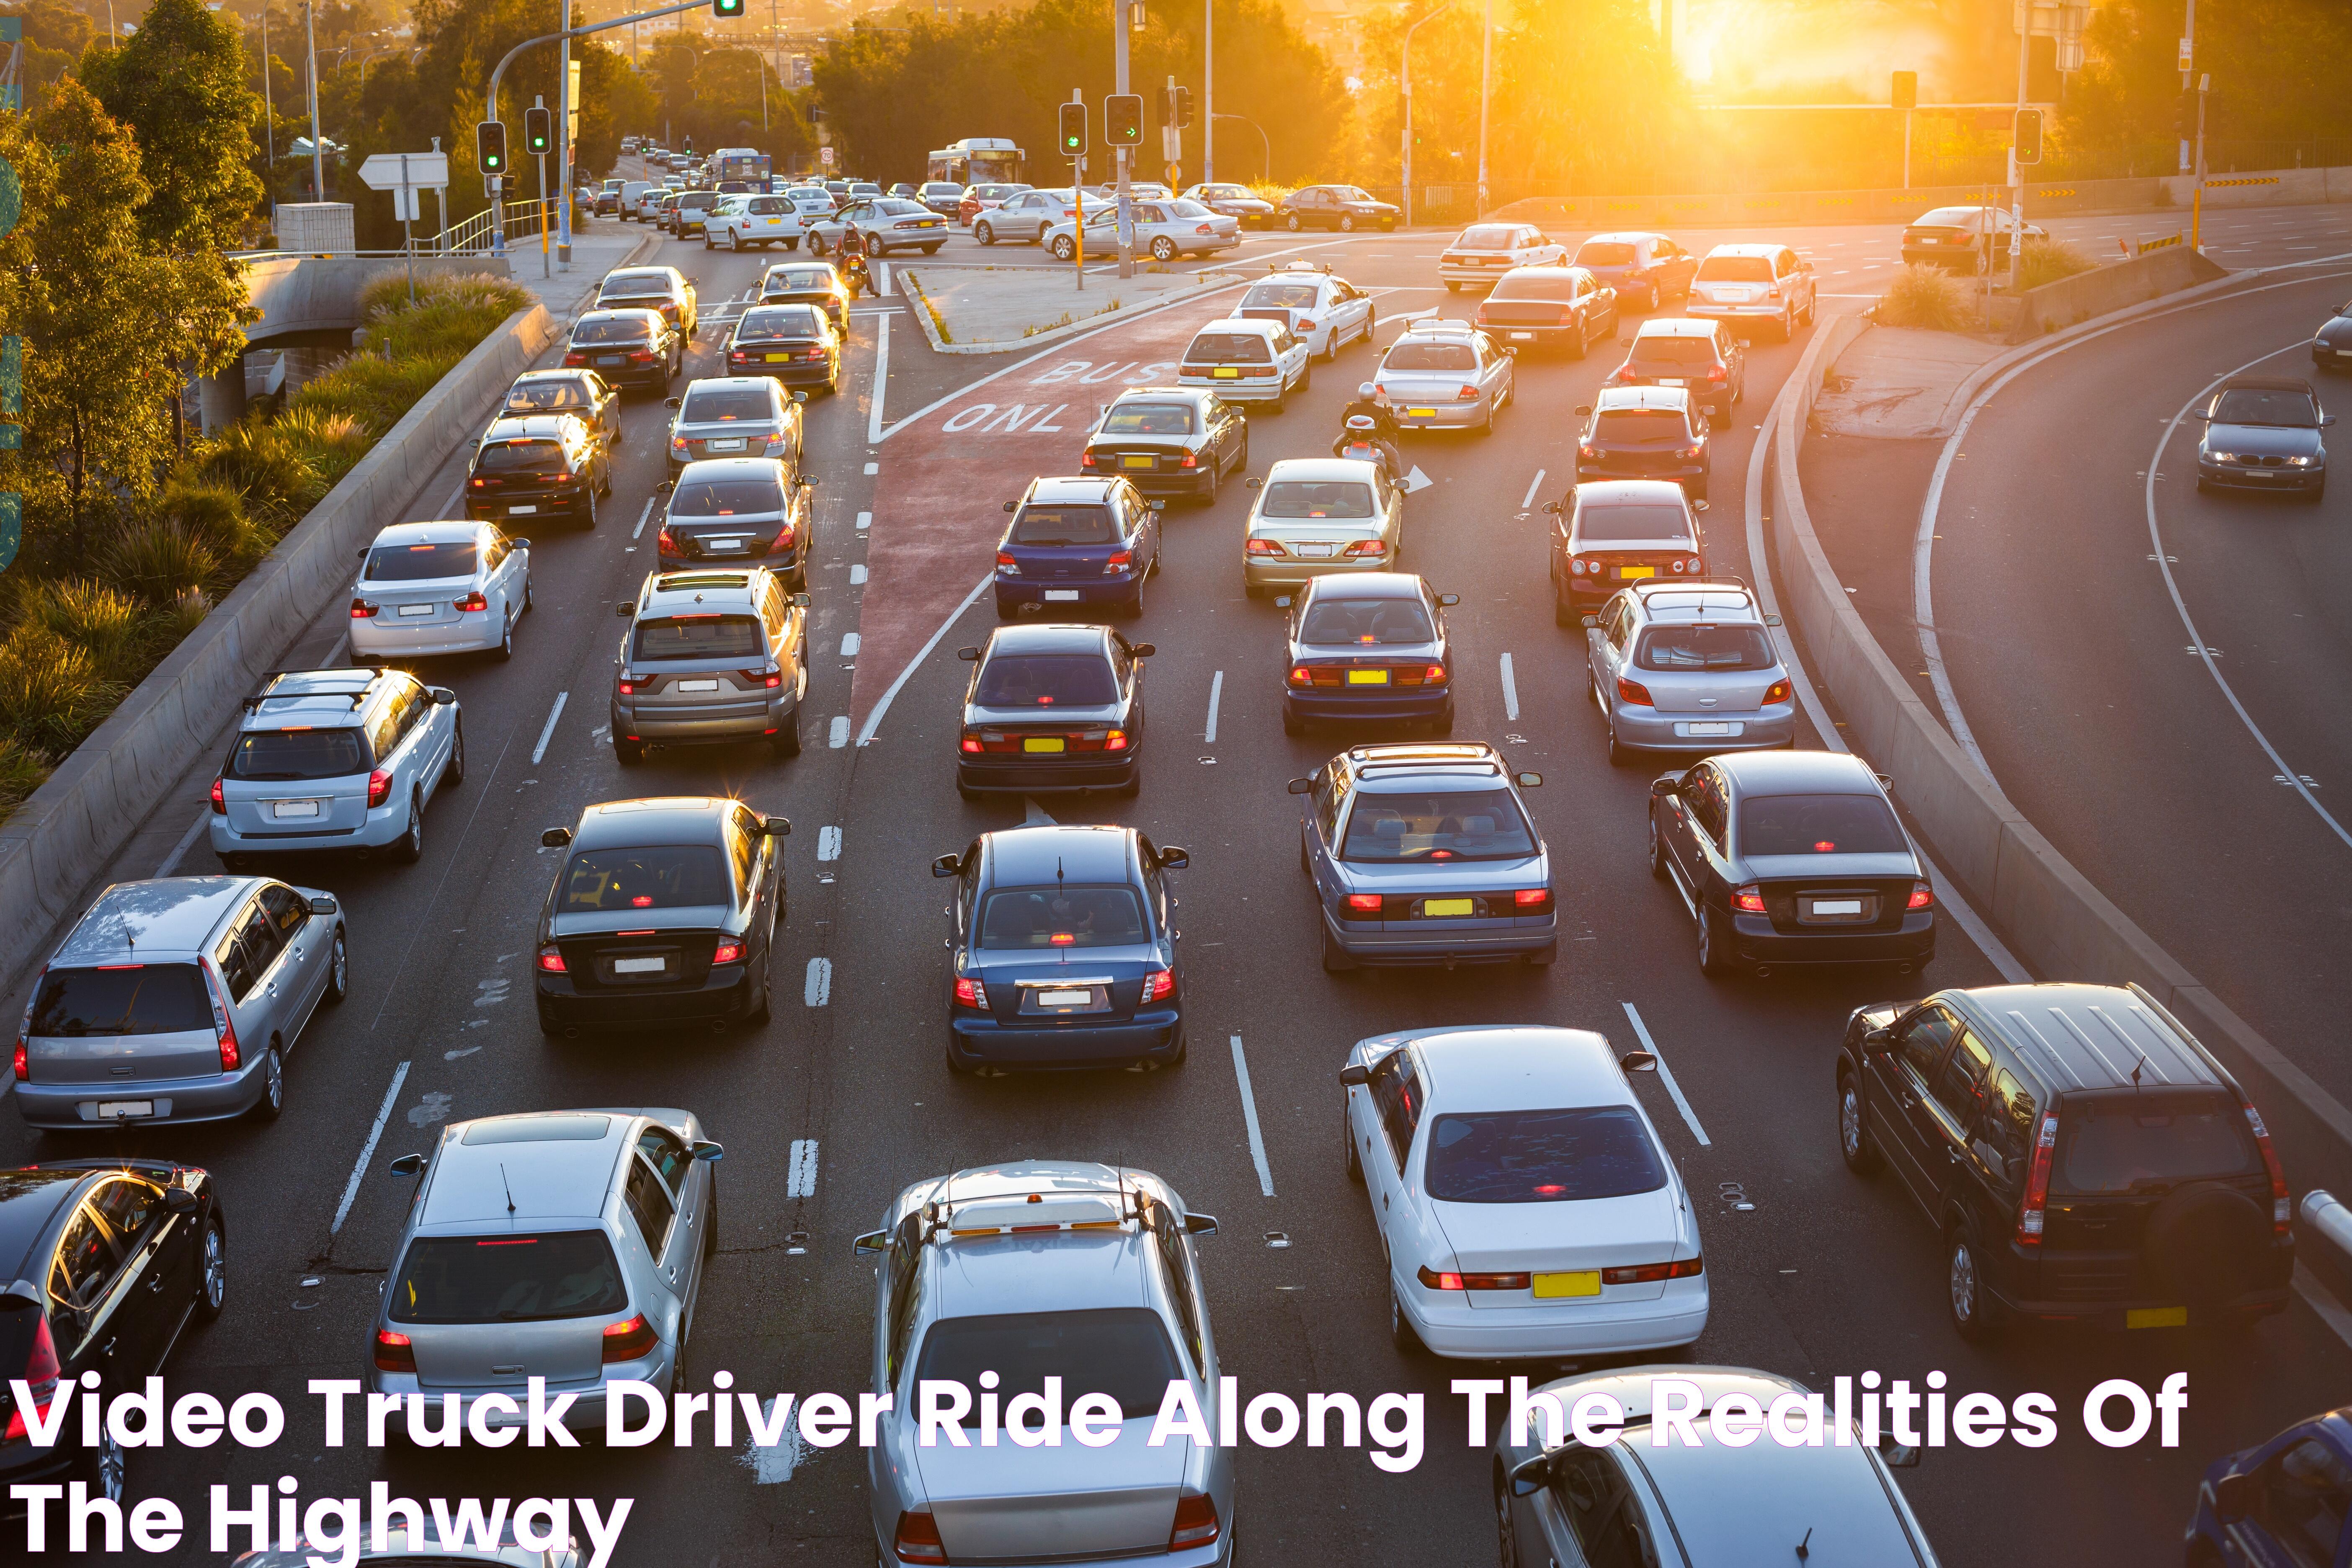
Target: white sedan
(1485, 251)
(1525, 1203)
(1323, 310)
(439, 587)
(1166, 230)
(740, 220)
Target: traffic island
(989, 310)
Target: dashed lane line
(1216, 690)
(367, 1150)
(1666, 1075)
(547, 732)
(1249, 1118)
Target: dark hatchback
(1169, 440)
(1078, 543)
(1646, 269)
(795, 343)
(662, 289)
(1343, 208)
(1053, 708)
(591, 397)
(554, 462)
(1706, 358)
(2331, 345)
(1367, 648)
(665, 911)
(738, 511)
(1954, 237)
(1063, 950)
(1787, 857)
(113, 1260)
(1237, 201)
(636, 348)
(1645, 433)
(2262, 433)
(1548, 307)
(808, 283)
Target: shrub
(254, 459)
(104, 622)
(367, 392)
(214, 513)
(1926, 297)
(22, 771)
(2048, 261)
(156, 559)
(51, 693)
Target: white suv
(740, 220)
(1762, 283)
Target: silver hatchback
(1446, 375)
(710, 658)
(564, 1245)
(1688, 667)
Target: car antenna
(2137, 1068)
(1802, 1550)
(508, 1185)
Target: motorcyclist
(851, 251)
(1372, 401)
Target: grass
(1926, 297)
(2048, 261)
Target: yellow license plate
(1052, 744)
(1368, 678)
(2157, 1318)
(1447, 906)
(1224, 373)
(1135, 462)
(1555, 1287)
(776, 359)
(1629, 573)
(1421, 413)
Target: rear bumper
(1218, 1555)
(1753, 940)
(385, 824)
(724, 994)
(1451, 415)
(1374, 705)
(1650, 730)
(1451, 273)
(1540, 334)
(1174, 481)
(21, 1464)
(1287, 571)
(175, 1100)
(1261, 390)
(1017, 591)
(682, 728)
(1376, 946)
(586, 1413)
(778, 561)
(541, 506)
(1600, 1328)
(1762, 311)
(1152, 1035)
(1692, 477)
(476, 632)
(1022, 773)
(803, 373)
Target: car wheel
(505, 638)
(984, 232)
(1348, 1137)
(1401, 1330)
(1336, 960)
(110, 1468)
(629, 753)
(706, 240)
(761, 1010)
(1618, 755)
(1583, 338)
(1657, 848)
(735, 240)
(1713, 958)
(588, 513)
(272, 1102)
(409, 848)
(1063, 248)
(1563, 614)
(786, 741)
(1347, 223)
(212, 1273)
(1292, 724)
(1444, 723)
(453, 772)
(1975, 1316)
(1163, 249)
(339, 971)
(1506, 1538)
(1208, 490)
(1854, 1142)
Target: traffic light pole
(544, 268)
(1124, 223)
(2197, 202)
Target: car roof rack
(1000, 1214)
(1323, 267)
(357, 694)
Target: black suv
(2083, 1156)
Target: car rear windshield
(2266, 405)
(1674, 349)
(781, 322)
(1049, 918)
(637, 283)
(654, 877)
(281, 755)
(1148, 419)
(508, 1278)
(1718, 648)
(943, 188)
(529, 396)
(516, 457)
(698, 199)
(611, 331)
(1064, 525)
(1947, 217)
(1542, 1156)
(1122, 1352)
(1546, 285)
(2132, 1141)
(1488, 237)
(1431, 356)
(1625, 524)
(1645, 424)
(768, 206)
(1316, 499)
(1046, 680)
(709, 405)
(1442, 825)
(1605, 253)
(1819, 824)
(726, 498)
(698, 636)
(1281, 297)
(416, 563)
(119, 999)
(1735, 269)
(1229, 348)
(797, 278)
(1366, 622)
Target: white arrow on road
(1417, 480)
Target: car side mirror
(321, 904)
(1771, 620)
(364, 551)
(968, 655)
(1013, 506)
(948, 866)
(1161, 504)
(873, 1243)
(1200, 1224)
(705, 1150)
(624, 609)
(1510, 351)
(1449, 600)
(809, 481)
(1142, 649)
(1174, 857)
(1530, 781)
(2234, 1495)
(2327, 419)
(1355, 1074)
(1300, 786)
(1878, 1042)
(1662, 789)
(1552, 508)
(777, 827)
(1589, 621)
(556, 838)
(1529, 1476)
(1255, 482)
(1899, 1456)
(443, 697)
(1639, 1061)
(1698, 506)
(179, 1200)
(672, 402)
(408, 1165)
(519, 542)
(799, 394)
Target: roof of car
(734, 383)
(2265, 383)
(734, 468)
(642, 275)
(168, 914)
(1155, 393)
(1046, 637)
(1676, 327)
(1239, 324)
(1510, 1066)
(30, 1199)
(1644, 492)
(531, 426)
(1625, 236)
(444, 531)
(1696, 601)
(1408, 765)
(1003, 1272)
(545, 1165)
(2089, 1036)
(1613, 399)
(1326, 469)
(323, 696)
(562, 373)
(655, 820)
(1747, 249)
(1367, 585)
(667, 592)
(1080, 852)
(1795, 773)
(619, 313)
(1068, 488)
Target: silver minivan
(567, 1244)
(178, 1000)
(710, 657)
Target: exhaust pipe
(1763, 972)
(570, 1034)
(1903, 969)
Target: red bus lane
(939, 500)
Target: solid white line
(837, 733)
(1533, 486)
(188, 842)
(367, 1150)
(801, 1181)
(818, 990)
(857, 575)
(541, 750)
(642, 517)
(1216, 690)
(882, 278)
(848, 643)
(873, 431)
(1666, 1076)
(828, 843)
(865, 520)
(874, 720)
(1510, 690)
(1249, 1115)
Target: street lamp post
(318, 150)
(1405, 78)
(1208, 91)
(1486, 92)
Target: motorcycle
(1359, 443)
(854, 274)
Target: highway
(1815, 1273)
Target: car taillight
(1189, 461)
(670, 310)
(739, 358)
(1695, 565)
(1532, 900)
(1301, 676)
(679, 443)
(1677, 564)
(642, 356)
(1694, 450)
(970, 741)
(1196, 1522)
(769, 679)
(1086, 460)
(2281, 1206)
(1591, 453)
(1634, 693)
(1367, 547)
(394, 1352)
(1773, 292)
(551, 960)
(2037, 1183)
(1467, 392)
(24, 1067)
(1778, 691)
(1625, 372)
(1120, 561)
(1364, 903)
(970, 992)
(918, 1539)
(1650, 1273)
(362, 610)
(1923, 896)
(727, 952)
(471, 601)
(1447, 1280)
(626, 687)
(663, 541)
(1718, 373)
(41, 1371)
(1007, 564)
(1261, 547)
(632, 1339)
(785, 536)
(224, 1027)
(1434, 676)
(576, 359)
(1567, 315)
(220, 807)
(1115, 741)
(1159, 985)
(379, 788)
(1748, 899)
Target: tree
(2276, 65)
(179, 84)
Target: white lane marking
(881, 379)
(848, 643)
(1417, 480)
(188, 842)
(1249, 1115)
(836, 734)
(1510, 690)
(864, 522)
(801, 1183)
(818, 991)
(546, 733)
(873, 468)
(882, 278)
(828, 843)
(1534, 485)
(874, 720)
(772, 1466)
(367, 1150)
(1666, 1076)
(642, 518)
(1033, 815)
(1216, 690)
(857, 573)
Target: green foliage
(22, 770)
(51, 692)
(2048, 261)
(179, 84)
(155, 559)
(371, 391)
(1929, 298)
(104, 622)
(214, 515)
(2278, 78)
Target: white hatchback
(439, 587)
(1246, 362)
(1526, 1204)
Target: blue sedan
(1075, 544)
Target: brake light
(2281, 1206)
(1086, 460)
(1625, 372)
(642, 356)
(41, 1369)
(1748, 899)
(1778, 691)
(627, 687)
(1532, 900)
(1694, 450)
(472, 601)
(1190, 461)
(1261, 547)
(1634, 692)
(1695, 565)
(1116, 740)
(1923, 896)
(784, 538)
(220, 807)
(1159, 984)
(769, 679)
(1718, 373)
(550, 962)
(1773, 292)
(1301, 676)
(1367, 547)
(1650, 1273)
(663, 541)
(632, 1339)
(394, 1352)
(727, 952)
(1588, 452)
(1447, 1280)
(1466, 394)
(362, 610)
(970, 741)
(739, 358)
(2037, 1183)
(1367, 903)
(1196, 1522)
(1434, 675)
(576, 359)
(1120, 561)
(970, 993)
(918, 1539)
(379, 788)
(224, 1027)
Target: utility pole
(2188, 63)
(2016, 169)
(318, 153)
(1405, 78)
(1208, 91)
(562, 147)
(268, 108)
(1128, 13)
(2196, 202)
(1486, 91)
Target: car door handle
(1907, 1102)
(108, 1348)
(1951, 1155)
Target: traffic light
(727, 7)
(490, 146)
(2029, 136)
(1178, 108)
(1123, 119)
(538, 131)
(1906, 89)
(1073, 131)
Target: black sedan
(1063, 950)
(1169, 441)
(553, 463)
(1789, 857)
(1344, 207)
(111, 1261)
(1368, 647)
(1234, 202)
(1052, 707)
(1548, 307)
(639, 348)
(808, 283)
(2331, 346)
(795, 343)
(570, 391)
(665, 911)
(2262, 433)
(1645, 433)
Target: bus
(739, 163)
(976, 161)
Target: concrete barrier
(2050, 915)
(2074, 299)
(97, 798)
(306, 295)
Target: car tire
(506, 640)
(109, 1467)
(1290, 221)
(786, 741)
(1347, 1139)
(1347, 223)
(1444, 723)
(932, 249)
(629, 753)
(339, 971)
(212, 1272)
(1618, 755)
(409, 848)
(984, 232)
(272, 1103)
(1163, 249)
(735, 240)
(1657, 848)
(706, 238)
(1401, 1330)
(1042, 229)
(588, 513)
(1714, 955)
(1563, 614)
(1064, 248)
(816, 244)
(1544, 957)
(1208, 490)
(1292, 724)
(453, 772)
(1976, 1317)
(1855, 1145)
(761, 1010)
(1583, 338)
(1336, 960)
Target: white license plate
(1064, 998)
(522, 510)
(608, 359)
(1313, 551)
(1837, 905)
(734, 446)
(1524, 337)
(418, 609)
(639, 966)
(1061, 596)
(698, 686)
(722, 544)
(108, 1110)
(2344, 353)
(1708, 729)
(284, 809)
(1670, 382)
